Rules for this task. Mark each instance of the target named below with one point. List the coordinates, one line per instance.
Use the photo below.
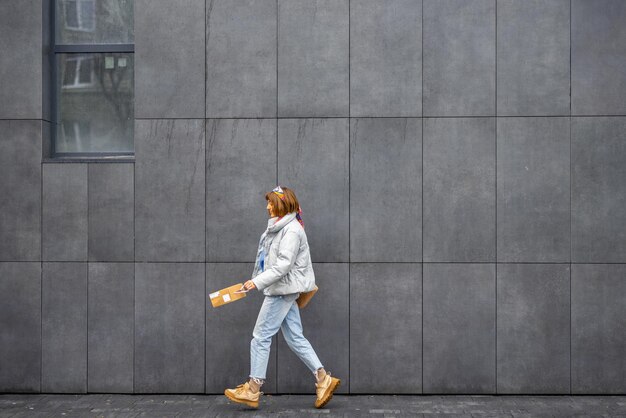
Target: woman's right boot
(244, 394)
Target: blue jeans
(279, 312)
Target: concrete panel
(20, 188)
(20, 322)
(313, 58)
(459, 189)
(386, 162)
(111, 212)
(459, 328)
(598, 57)
(313, 161)
(64, 220)
(459, 57)
(325, 323)
(598, 192)
(598, 321)
(20, 67)
(169, 59)
(533, 346)
(241, 58)
(241, 168)
(169, 327)
(111, 327)
(229, 331)
(533, 164)
(64, 328)
(169, 194)
(533, 57)
(386, 328)
(386, 58)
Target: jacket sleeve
(287, 253)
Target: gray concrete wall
(460, 165)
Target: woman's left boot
(324, 389)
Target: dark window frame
(55, 51)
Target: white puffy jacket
(288, 267)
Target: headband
(279, 191)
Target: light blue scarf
(274, 225)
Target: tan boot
(325, 389)
(243, 394)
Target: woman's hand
(249, 285)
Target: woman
(284, 249)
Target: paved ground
(302, 406)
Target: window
(93, 82)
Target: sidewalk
(302, 406)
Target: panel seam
(87, 301)
(204, 126)
(496, 199)
(570, 197)
(422, 196)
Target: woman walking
(282, 270)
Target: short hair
(283, 207)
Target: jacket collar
(274, 224)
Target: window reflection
(80, 15)
(78, 72)
(76, 134)
(95, 102)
